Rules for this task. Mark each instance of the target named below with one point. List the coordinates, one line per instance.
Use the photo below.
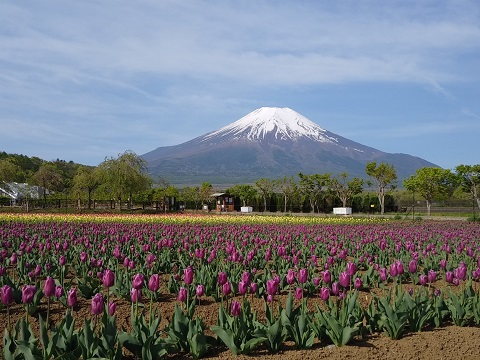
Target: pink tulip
(108, 278)
(351, 269)
(290, 277)
(324, 293)
(327, 276)
(182, 294)
(302, 276)
(136, 295)
(298, 293)
(242, 288)
(222, 278)
(236, 308)
(72, 297)
(111, 308)
(344, 279)
(188, 275)
(137, 282)
(226, 288)
(59, 292)
(200, 291)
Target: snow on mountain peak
(281, 123)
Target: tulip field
(204, 286)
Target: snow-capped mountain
(272, 122)
(269, 143)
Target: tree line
(125, 179)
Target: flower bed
(196, 285)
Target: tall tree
(430, 182)
(345, 189)
(85, 181)
(265, 186)
(9, 171)
(312, 186)
(245, 192)
(469, 178)
(125, 176)
(287, 187)
(48, 178)
(204, 193)
(383, 175)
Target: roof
(218, 194)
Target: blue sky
(85, 80)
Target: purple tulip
(269, 298)
(358, 283)
(324, 293)
(253, 288)
(461, 272)
(449, 277)
(200, 291)
(298, 293)
(302, 276)
(344, 279)
(290, 277)
(443, 264)
(13, 259)
(137, 282)
(327, 276)
(111, 308)
(97, 304)
(423, 279)
(393, 270)
(226, 288)
(62, 261)
(271, 287)
(188, 275)
(400, 268)
(136, 295)
(242, 288)
(108, 278)
(236, 308)
(335, 288)
(7, 295)
(316, 281)
(49, 287)
(28, 292)
(154, 283)
(412, 266)
(182, 294)
(351, 269)
(383, 274)
(246, 278)
(59, 292)
(222, 278)
(432, 276)
(72, 297)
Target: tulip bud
(432, 276)
(324, 293)
(253, 288)
(62, 261)
(242, 288)
(290, 277)
(188, 275)
(222, 278)
(271, 287)
(351, 268)
(298, 293)
(108, 278)
(154, 283)
(182, 294)
(200, 291)
(7, 295)
(28, 292)
(226, 288)
(327, 276)
(137, 282)
(72, 297)
(49, 287)
(344, 279)
(59, 291)
(449, 277)
(358, 283)
(236, 308)
(302, 276)
(136, 295)
(335, 288)
(423, 279)
(97, 304)
(412, 266)
(111, 308)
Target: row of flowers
(338, 319)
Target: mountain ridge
(272, 143)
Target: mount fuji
(269, 143)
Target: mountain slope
(271, 143)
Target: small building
(224, 202)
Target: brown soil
(447, 342)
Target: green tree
(265, 186)
(430, 182)
(245, 192)
(49, 179)
(345, 189)
(383, 175)
(85, 181)
(204, 193)
(125, 176)
(9, 171)
(469, 178)
(312, 186)
(287, 187)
